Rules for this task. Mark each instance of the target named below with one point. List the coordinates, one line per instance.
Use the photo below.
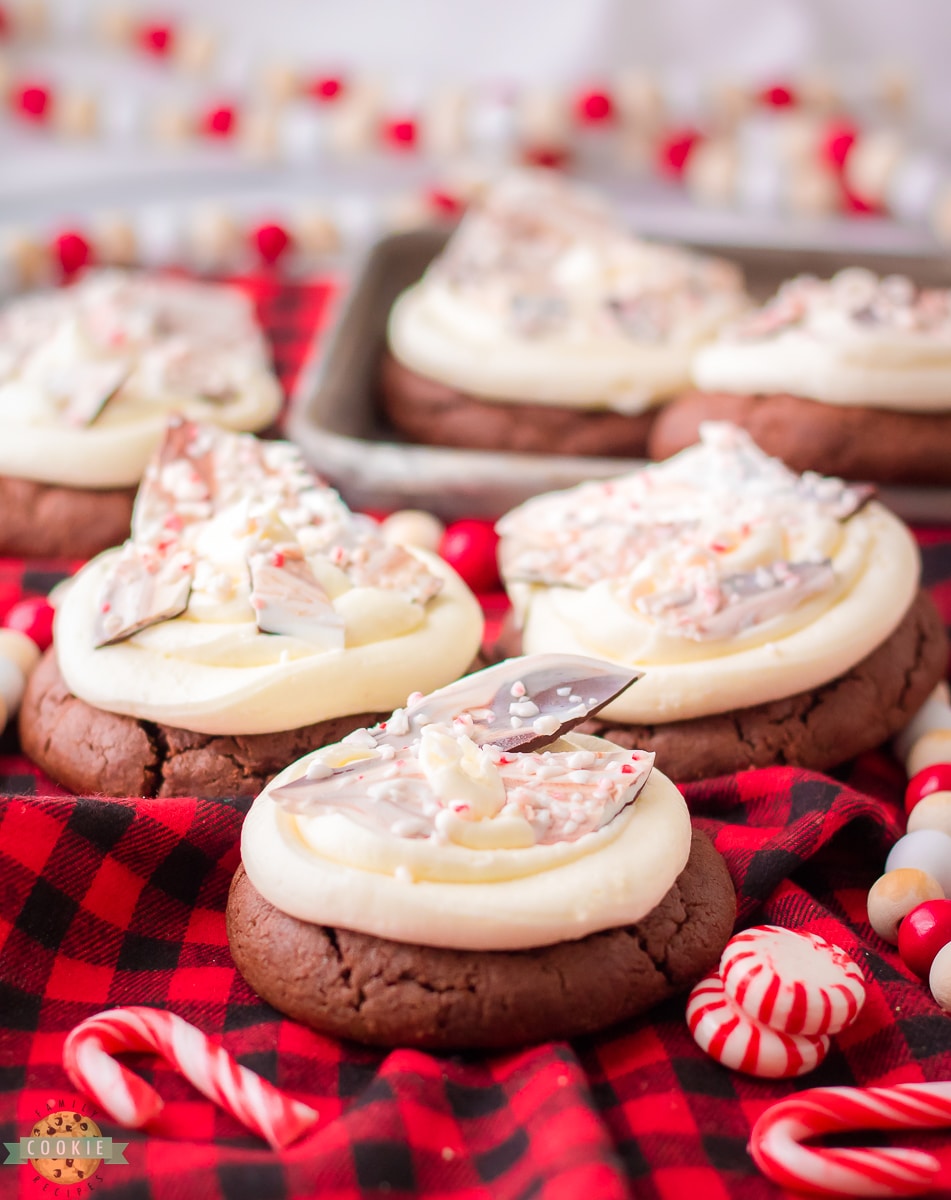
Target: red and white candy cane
(132, 1102)
(860, 1171)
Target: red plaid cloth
(106, 903)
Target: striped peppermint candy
(130, 1101)
(724, 1031)
(797, 983)
(853, 1171)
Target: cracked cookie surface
(819, 729)
(91, 751)
(390, 993)
(44, 521)
(853, 442)
(435, 414)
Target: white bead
(927, 850)
(358, 218)
(122, 117)
(20, 649)
(302, 133)
(158, 234)
(759, 184)
(490, 123)
(931, 812)
(543, 117)
(69, 18)
(892, 897)
(934, 714)
(413, 527)
(930, 748)
(912, 190)
(939, 978)
(12, 683)
(710, 174)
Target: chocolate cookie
(89, 750)
(854, 443)
(43, 521)
(437, 415)
(392, 994)
(819, 729)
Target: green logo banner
(57, 1148)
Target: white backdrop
(413, 44)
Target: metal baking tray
(334, 415)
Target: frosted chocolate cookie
(849, 376)
(88, 377)
(546, 326)
(473, 873)
(777, 618)
(250, 614)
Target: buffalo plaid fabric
(106, 903)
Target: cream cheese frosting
(250, 599)
(430, 829)
(90, 373)
(855, 339)
(729, 580)
(542, 296)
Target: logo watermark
(66, 1149)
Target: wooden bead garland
(910, 904)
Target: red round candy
(778, 96)
(72, 251)
(922, 933)
(469, 547)
(595, 107)
(401, 133)
(220, 121)
(34, 617)
(33, 101)
(674, 151)
(156, 39)
(328, 87)
(838, 141)
(936, 778)
(271, 242)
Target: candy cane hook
(829, 1171)
(130, 1101)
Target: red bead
(554, 157)
(922, 934)
(220, 122)
(444, 203)
(936, 778)
(838, 141)
(34, 617)
(326, 88)
(401, 133)
(157, 39)
(469, 547)
(271, 241)
(594, 107)
(778, 96)
(72, 251)
(674, 151)
(33, 101)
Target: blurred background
(162, 131)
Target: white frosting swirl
(542, 296)
(329, 869)
(852, 340)
(89, 374)
(726, 578)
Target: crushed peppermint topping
(447, 779)
(714, 541)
